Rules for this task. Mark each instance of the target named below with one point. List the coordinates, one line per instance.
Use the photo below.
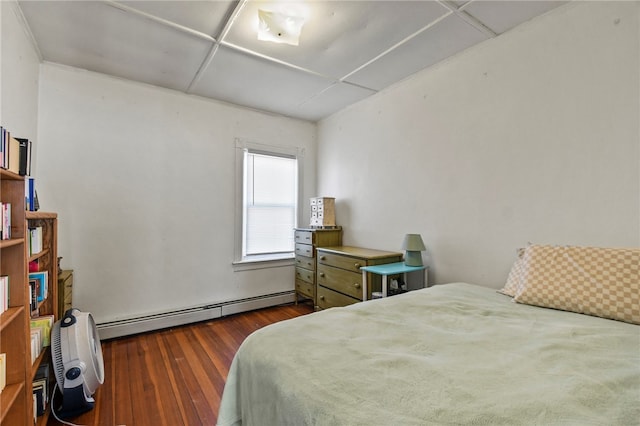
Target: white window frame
(269, 260)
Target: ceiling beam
(468, 18)
(159, 20)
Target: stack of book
(40, 386)
(38, 288)
(15, 153)
(40, 335)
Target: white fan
(77, 360)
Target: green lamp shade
(414, 245)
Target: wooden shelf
(9, 316)
(16, 406)
(45, 354)
(40, 215)
(47, 261)
(7, 175)
(8, 397)
(37, 256)
(10, 243)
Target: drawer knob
(322, 258)
(356, 285)
(321, 297)
(321, 274)
(357, 265)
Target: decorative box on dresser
(339, 278)
(307, 241)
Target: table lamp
(414, 245)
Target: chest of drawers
(307, 241)
(339, 278)
(65, 291)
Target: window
(269, 202)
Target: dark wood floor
(175, 376)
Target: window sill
(266, 261)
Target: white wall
(143, 181)
(530, 137)
(19, 67)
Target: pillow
(603, 282)
(514, 279)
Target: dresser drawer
(329, 299)
(304, 237)
(305, 288)
(306, 262)
(347, 282)
(304, 250)
(305, 275)
(345, 262)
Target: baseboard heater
(125, 327)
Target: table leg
(384, 285)
(364, 285)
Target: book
(36, 345)
(40, 386)
(42, 284)
(4, 293)
(33, 296)
(4, 152)
(29, 159)
(14, 155)
(43, 372)
(3, 371)
(6, 221)
(29, 194)
(46, 323)
(3, 133)
(39, 392)
(35, 240)
(24, 156)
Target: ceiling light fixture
(279, 28)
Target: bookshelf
(16, 400)
(47, 260)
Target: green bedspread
(453, 354)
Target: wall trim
(129, 326)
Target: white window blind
(269, 203)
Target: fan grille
(56, 352)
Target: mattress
(447, 355)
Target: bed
(452, 354)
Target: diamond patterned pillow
(603, 282)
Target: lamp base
(413, 258)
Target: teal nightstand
(389, 269)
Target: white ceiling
(348, 50)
